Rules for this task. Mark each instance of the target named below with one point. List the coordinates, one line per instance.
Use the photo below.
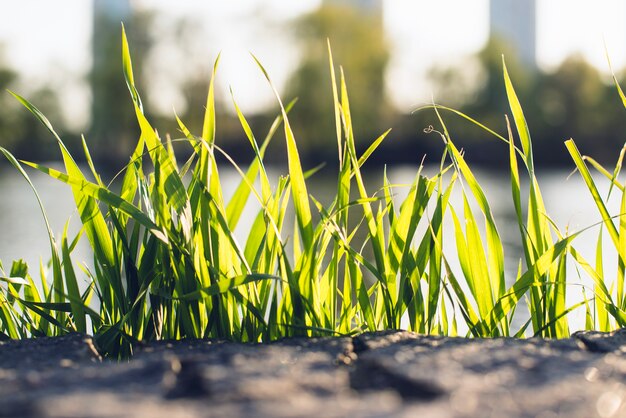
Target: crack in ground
(369, 374)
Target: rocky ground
(390, 374)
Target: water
(23, 233)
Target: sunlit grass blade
(376, 234)
(620, 92)
(78, 311)
(57, 274)
(298, 185)
(90, 214)
(227, 284)
(473, 121)
(104, 195)
(519, 118)
(486, 278)
(593, 189)
(527, 280)
(169, 261)
(237, 203)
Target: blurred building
(113, 9)
(370, 6)
(516, 22)
(106, 13)
(109, 131)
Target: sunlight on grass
(168, 265)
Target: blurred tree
(35, 141)
(11, 122)
(19, 132)
(358, 45)
(151, 37)
(574, 102)
(481, 95)
(490, 100)
(188, 85)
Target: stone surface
(395, 374)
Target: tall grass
(168, 265)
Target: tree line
(575, 100)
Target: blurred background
(397, 55)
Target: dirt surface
(390, 374)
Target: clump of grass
(167, 264)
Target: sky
(48, 42)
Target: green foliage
(573, 99)
(357, 37)
(8, 125)
(16, 131)
(168, 265)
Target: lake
(568, 202)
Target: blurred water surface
(23, 232)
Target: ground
(389, 374)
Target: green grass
(168, 265)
